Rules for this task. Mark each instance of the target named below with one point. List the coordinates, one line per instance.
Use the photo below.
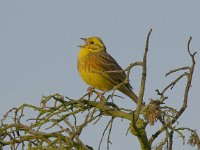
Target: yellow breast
(91, 75)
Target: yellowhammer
(95, 66)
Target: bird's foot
(90, 90)
(101, 97)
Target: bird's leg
(101, 96)
(90, 90)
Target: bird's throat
(83, 53)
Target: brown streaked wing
(102, 62)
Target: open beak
(84, 39)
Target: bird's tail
(129, 92)
(133, 96)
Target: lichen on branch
(59, 121)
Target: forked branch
(189, 76)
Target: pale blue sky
(38, 48)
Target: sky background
(38, 49)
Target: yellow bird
(95, 67)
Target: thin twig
(99, 147)
(109, 133)
(185, 100)
(177, 69)
(143, 79)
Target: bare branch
(172, 84)
(109, 124)
(68, 118)
(185, 100)
(177, 69)
(143, 79)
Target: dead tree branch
(58, 121)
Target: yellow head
(93, 44)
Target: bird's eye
(91, 42)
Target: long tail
(129, 92)
(133, 96)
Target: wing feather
(102, 63)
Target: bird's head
(93, 44)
